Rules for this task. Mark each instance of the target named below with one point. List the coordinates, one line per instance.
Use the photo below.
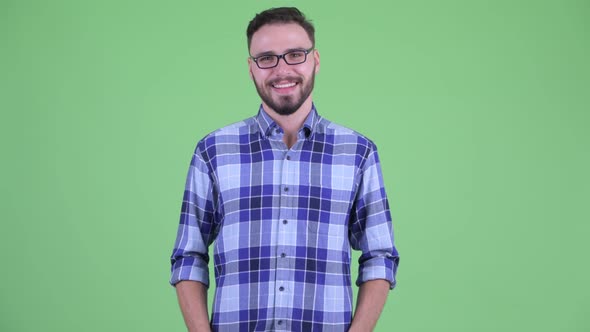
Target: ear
(250, 64)
(316, 57)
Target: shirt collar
(267, 124)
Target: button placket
(285, 240)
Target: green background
(480, 110)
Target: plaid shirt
(282, 223)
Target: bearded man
(284, 197)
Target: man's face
(284, 88)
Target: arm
(371, 233)
(370, 302)
(192, 298)
(190, 257)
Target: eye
(264, 59)
(296, 55)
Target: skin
(192, 298)
(369, 304)
(278, 39)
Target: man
(283, 196)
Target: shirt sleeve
(371, 229)
(197, 227)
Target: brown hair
(280, 15)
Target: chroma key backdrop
(480, 110)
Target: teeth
(282, 86)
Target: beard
(286, 105)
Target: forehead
(279, 38)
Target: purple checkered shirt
(282, 223)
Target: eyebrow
(286, 51)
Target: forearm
(192, 298)
(371, 299)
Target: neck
(290, 123)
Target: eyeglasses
(268, 61)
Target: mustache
(295, 79)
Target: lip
(284, 86)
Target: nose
(282, 65)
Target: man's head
(283, 61)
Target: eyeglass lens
(291, 58)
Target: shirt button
(285, 221)
(283, 255)
(280, 322)
(288, 157)
(286, 188)
(281, 288)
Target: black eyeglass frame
(282, 56)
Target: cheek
(259, 77)
(309, 71)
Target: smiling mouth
(284, 85)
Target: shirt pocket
(328, 196)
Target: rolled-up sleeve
(196, 230)
(371, 229)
